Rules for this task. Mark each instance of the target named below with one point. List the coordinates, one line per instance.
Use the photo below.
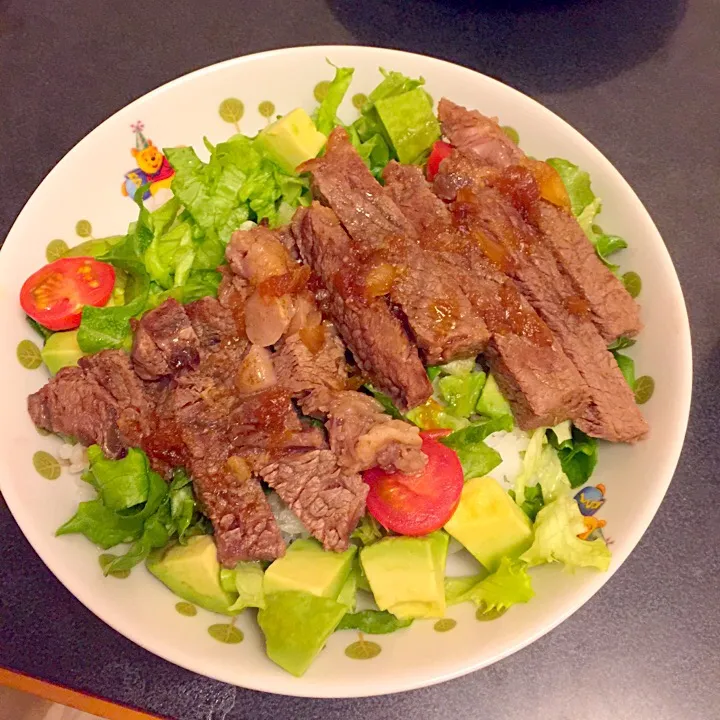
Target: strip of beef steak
(492, 221)
(100, 402)
(328, 499)
(423, 287)
(611, 307)
(366, 324)
(533, 372)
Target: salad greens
(557, 527)
(373, 622)
(134, 505)
(508, 585)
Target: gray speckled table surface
(641, 79)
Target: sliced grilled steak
(245, 528)
(539, 380)
(471, 131)
(373, 334)
(168, 329)
(213, 324)
(328, 499)
(301, 367)
(488, 217)
(612, 309)
(341, 179)
(423, 287)
(362, 435)
(100, 402)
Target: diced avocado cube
(492, 402)
(296, 626)
(348, 593)
(61, 350)
(192, 571)
(489, 523)
(409, 122)
(306, 567)
(291, 140)
(407, 574)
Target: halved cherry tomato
(417, 504)
(439, 152)
(55, 295)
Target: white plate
(86, 184)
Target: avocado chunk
(192, 571)
(407, 574)
(492, 402)
(306, 567)
(348, 592)
(291, 140)
(489, 523)
(296, 626)
(61, 350)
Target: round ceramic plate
(82, 197)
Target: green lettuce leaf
(508, 585)
(542, 466)
(135, 505)
(578, 455)
(373, 622)
(368, 531)
(248, 578)
(627, 367)
(410, 124)
(476, 458)
(434, 416)
(533, 501)
(557, 527)
(121, 484)
(326, 117)
(107, 327)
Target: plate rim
(294, 686)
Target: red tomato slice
(55, 295)
(439, 152)
(417, 504)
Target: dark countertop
(640, 79)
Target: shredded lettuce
(326, 116)
(135, 505)
(541, 466)
(556, 528)
(508, 585)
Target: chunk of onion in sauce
(267, 319)
(380, 279)
(256, 371)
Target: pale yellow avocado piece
(306, 567)
(407, 574)
(291, 140)
(489, 524)
(192, 571)
(61, 350)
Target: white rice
(290, 526)
(74, 457)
